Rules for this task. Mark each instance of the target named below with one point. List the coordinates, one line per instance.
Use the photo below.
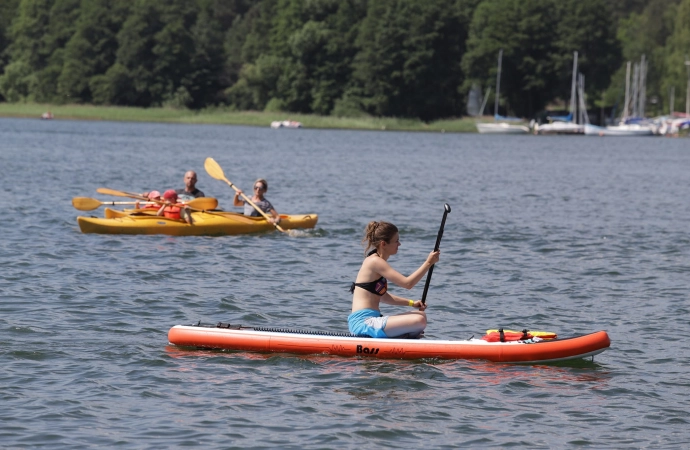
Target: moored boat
(267, 340)
(206, 223)
(559, 128)
(501, 128)
(619, 130)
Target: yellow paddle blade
(85, 203)
(107, 191)
(214, 169)
(203, 203)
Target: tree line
(401, 58)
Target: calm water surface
(568, 234)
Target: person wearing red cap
(172, 211)
(153, 195)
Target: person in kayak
(153, 195)
(371, 288)
(260, 187)
(189, 191)
(171, 211)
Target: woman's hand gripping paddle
(446, 208)
(214, 169)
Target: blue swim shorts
(367, 322)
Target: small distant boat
(633, 129)
(500, 127)
(559, 128)
(286, 124)
(47, 115)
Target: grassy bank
(222, 116)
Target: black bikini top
(378, 287)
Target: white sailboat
(569, 123)
(500, 127)
(632, 129)
(638, 97)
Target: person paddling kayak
(260, 188)
(371, 288)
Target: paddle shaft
(197, 204)
(89, 204)
(214, 169)
(446, 210)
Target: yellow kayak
(206, 223)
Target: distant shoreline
(223, 116)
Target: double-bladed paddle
(446, 210)
(89, 204)
(199, 204)
(214, 169)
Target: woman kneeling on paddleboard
(371, 288)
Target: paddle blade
(107, 191)
(214, 169)
(203, 203)
(85, 203)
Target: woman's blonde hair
(262, 181)
(377, 232)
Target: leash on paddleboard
(446, 210)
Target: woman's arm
(391, 299)
(276, 216)
(160, 211)
(407, 282)
(236, 201)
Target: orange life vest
(172, 212)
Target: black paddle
(446, 208)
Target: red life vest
(172, 212)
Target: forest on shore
(347, 58)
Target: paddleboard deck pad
(277, 340)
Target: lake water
(566, 234)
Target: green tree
(92, 49)
(297, 55)
(408, 63)
(646, 34)
(524, 30)
(27, 52)
(318, 46)
(59, 30)
(245, 42)
(156, 45)
(204, 79)
(585, 26)
(8, 9)
(677, 54)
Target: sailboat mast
(626, 108)
(572, 87)
(642, 100)
(498, 82)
